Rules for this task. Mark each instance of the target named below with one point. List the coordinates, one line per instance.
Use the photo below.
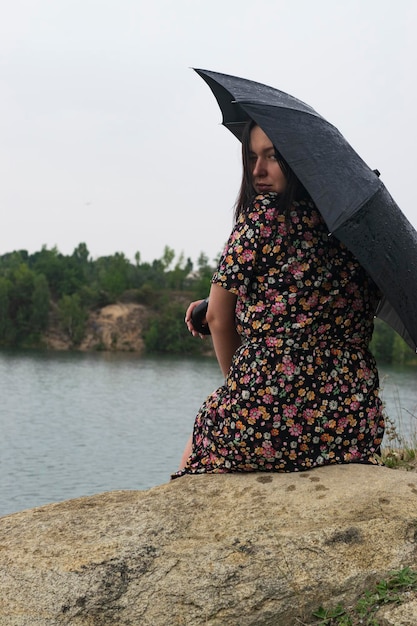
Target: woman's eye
(273, 157)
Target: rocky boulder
(215, 550)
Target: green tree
(382, 342)
(401, 352)
(7, 330)
(65, 274)
(21, 302)
(72, 317)
(81, 254)
(167, 333)
(40, 303)
(12, 260)
(202, 279)
(177, 276)
(113, 274)
(49, 263)
(167, 257)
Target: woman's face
(266, 171)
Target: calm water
(78, 424)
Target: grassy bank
(398, 450)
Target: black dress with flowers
(302, 390)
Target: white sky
(109, 138)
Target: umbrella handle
(198, 315)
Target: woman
(291, 317)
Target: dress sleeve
(246, 242)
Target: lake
(76, 424)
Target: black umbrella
(354, 202)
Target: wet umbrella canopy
(354, 202)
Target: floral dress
(302, 390)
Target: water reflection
(78, 424)
(399, 394)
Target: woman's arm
(221, 320)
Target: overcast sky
(109, 138)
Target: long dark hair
(294, 190)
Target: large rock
(219, 550)
(116, 327)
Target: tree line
(34, 287)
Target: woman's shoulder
(262, 206)
(269, 206)
(263, 201)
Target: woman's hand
(188, 319)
